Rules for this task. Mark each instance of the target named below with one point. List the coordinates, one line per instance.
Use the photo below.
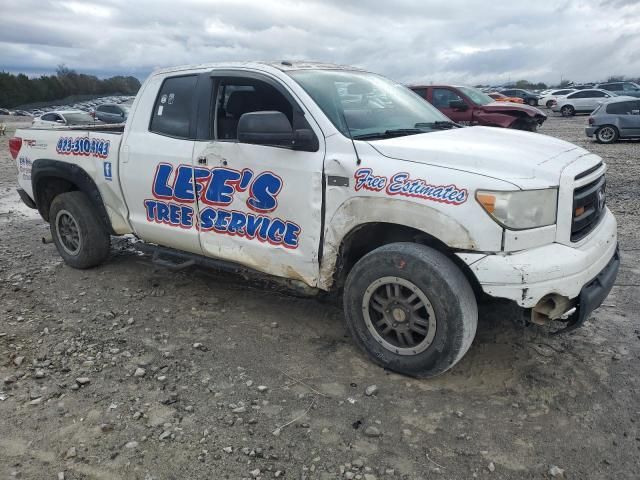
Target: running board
(176, 260)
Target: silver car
(112, 113)
(615, 119)
(582, 101)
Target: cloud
(408, 40)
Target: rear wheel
(607, 134)
(81, 239)
(411, 309)
(568, 111)
(533, 102)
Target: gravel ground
(97, 382)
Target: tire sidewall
(612, 140)
(95, 241)
(431, 278)
(570, 111)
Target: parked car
(615, 119)
(63, 118)
(630, 89)
(4, 111)
(582, 101)
(111, 113)
(499, 97)
(527, 97)
(550, 97)
(406, 215)
(469, 106)
(21, 113)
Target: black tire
(567, 111)
(451, 328)
(533, 102)
(80, 237)
(550, 103)
(607, 134)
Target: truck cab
(340, 180)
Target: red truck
(470, 106)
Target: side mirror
(271, 128)
(458, 105)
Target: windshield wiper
(439, 125)
(397, 132)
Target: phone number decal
(83, 146)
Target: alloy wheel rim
(399, 315)
(606, 134)
(68, 232)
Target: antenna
(344, 119)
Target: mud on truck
(338, 180)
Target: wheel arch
(50, 178)
(380, 224)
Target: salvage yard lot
(172, 368)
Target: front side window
(442, 97)
(237, 96)
(630, 87)
(174, 106)
(612, 87)
(582, 94)
(367, 105)
(476, 96)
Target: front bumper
(593, 293)
(529, 275)
(590, 131)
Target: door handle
(202, 160)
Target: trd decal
(174, 193)
(402, 184)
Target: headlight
(520, 209)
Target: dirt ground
(132, 371)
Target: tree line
(19, 89)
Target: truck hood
(522, 158)
(503, 107)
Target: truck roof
(283, 65)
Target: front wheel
(607, 134)
(411, 309)
(81, 239)
(532, 102)
(526, 125)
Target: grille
(588, 208)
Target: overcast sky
(463, 41)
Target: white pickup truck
(340, 180)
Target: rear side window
(612, 87)
(173, 109)
(622, 108)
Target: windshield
(78, 118)
(370, 105)
(476, 96)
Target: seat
(239, 103)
